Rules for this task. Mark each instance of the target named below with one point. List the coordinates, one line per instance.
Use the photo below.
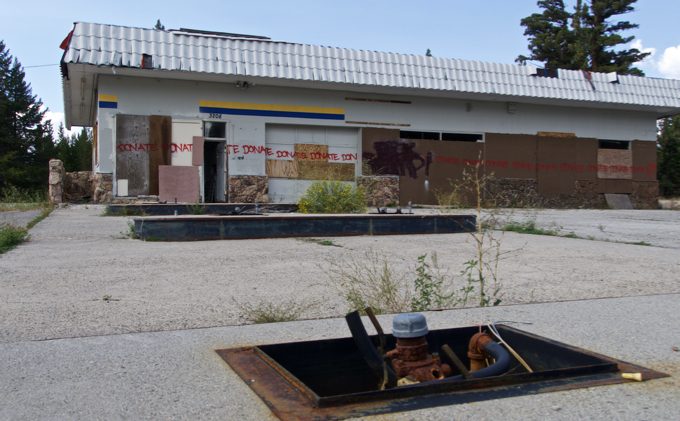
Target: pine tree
(75, 150)
(668, 170)
(585, 39)
(25, 140)
(549, 35)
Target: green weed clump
(15, 199)
(10, 237)
(273, 312)
(333, 197)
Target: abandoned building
(190, 115)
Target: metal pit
(330, 379)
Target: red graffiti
(152, 147)
(250, 149)
(548, 167)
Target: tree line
(27, 140)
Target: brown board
(563, 161)
(160, 137)
(644, 160)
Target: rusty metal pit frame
(329, 379)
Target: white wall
(180, 99)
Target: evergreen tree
(75, 150)
(549, 35)
(668, 170)
(159, 25)
(585, 39)
(25, 140)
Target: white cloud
(58, 118)
(648, 65)
(669, 63)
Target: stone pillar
(248, 189)
(102, 186)
(56, 181)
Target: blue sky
(486, 30)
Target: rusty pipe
(477, 350)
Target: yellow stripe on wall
(108, 98)
(271, 107)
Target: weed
(450, 199)
(131, 232)
(123, 211)
(270, 312)
(332, 197)
(319, 241)
(15, 199)
(482, 271)
(529, 227)
(639, 243)
(429, 286)
(196, 209)
(11, 236)
(370, 283)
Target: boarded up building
(196, 116)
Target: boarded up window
(142, 145)
(311, 153)
(614, 160)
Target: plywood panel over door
(132, 157)
(143, 143)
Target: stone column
(56, 181)
(102, 188)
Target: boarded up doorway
(142, 145)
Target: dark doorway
(213, 172)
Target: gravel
(80, 275)
(18, 218)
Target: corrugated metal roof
(120, 46)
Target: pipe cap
(409, 325)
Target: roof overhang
(80, 89)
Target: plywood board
(309, 150)
(178, 184)
(615, 163)
(132, 156)
(277, 168)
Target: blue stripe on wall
(267, 113)
(107, 104)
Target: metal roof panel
(112, 45)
